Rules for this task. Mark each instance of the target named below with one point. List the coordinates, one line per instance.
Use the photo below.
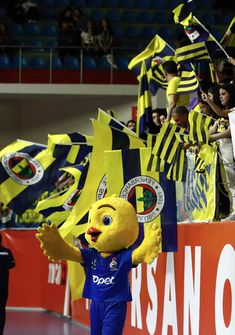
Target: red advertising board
(34, 282)
(188, 292)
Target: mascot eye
(107, 220)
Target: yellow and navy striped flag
(189, 82)
(157, 48)
(151, 194)
(192, 52)
(27, 170)
(72, 146)
(105, 138)
(57, 208)
(109, 120)
(166, 144)
(229, 37)
(199, 127)
(144, 110)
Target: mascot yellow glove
(150, 247)
(54, 246)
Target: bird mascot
(111, 231)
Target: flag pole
(215, 40)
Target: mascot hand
(150, 247)
(53, 245)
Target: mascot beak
(94, 233)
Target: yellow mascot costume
(112, 228)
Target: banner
(196, 196)
(231, 116)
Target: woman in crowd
(221, 132)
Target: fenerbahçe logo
(102, 188)
(22, 168)
(146, 195)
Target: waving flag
(199, 127)
(27, 170)
(73, 146)
(109, 120)
(151, 194)
(144, 111)
(192, 53)
(228, 39)
(57, 208)
(105, 138)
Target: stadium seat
(113, 16)
(165, 32)
(118, 31)
(110, 3)
(103, 64)
(97, 15)
(52, 43)
(162, 18)
(133, 32)
(145, 17)
(4, 62)
(32, 29)
(48, 13)
(16, 29)
(122, 63)
(140, 4)
(149, 32)
(37, 62)
(157, 4)
(46, 2)
(71, 63)
(89, 63)
(56, 63)
(129, 17)
(15, 63)
(78, 3)
(93, 3)
(35, 45)
(50, 30)
(62, 3)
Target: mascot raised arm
(112, 229)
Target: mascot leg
(108, 318)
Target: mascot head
(112, 225)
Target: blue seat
(113, 16)
(103, 64)
(110, 3)
(97, 15)
(140, 4)
(165, 33)
(62, 3)
(52, 43)
(148, 32)
(129, 17)
(35, 45)
(93, 3)
(78, 3)
(89, 63)
(17, 61)
(37, 62)
(16, 29)
(162, 18)
(71, 63)
(32, 29)
(118, 31)
(48, 13)
(46, 2)
(133, 32)
(4, 62)
(56, 63)
(50, 30)
(145, 17)
(122, 63)
(158, 4)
